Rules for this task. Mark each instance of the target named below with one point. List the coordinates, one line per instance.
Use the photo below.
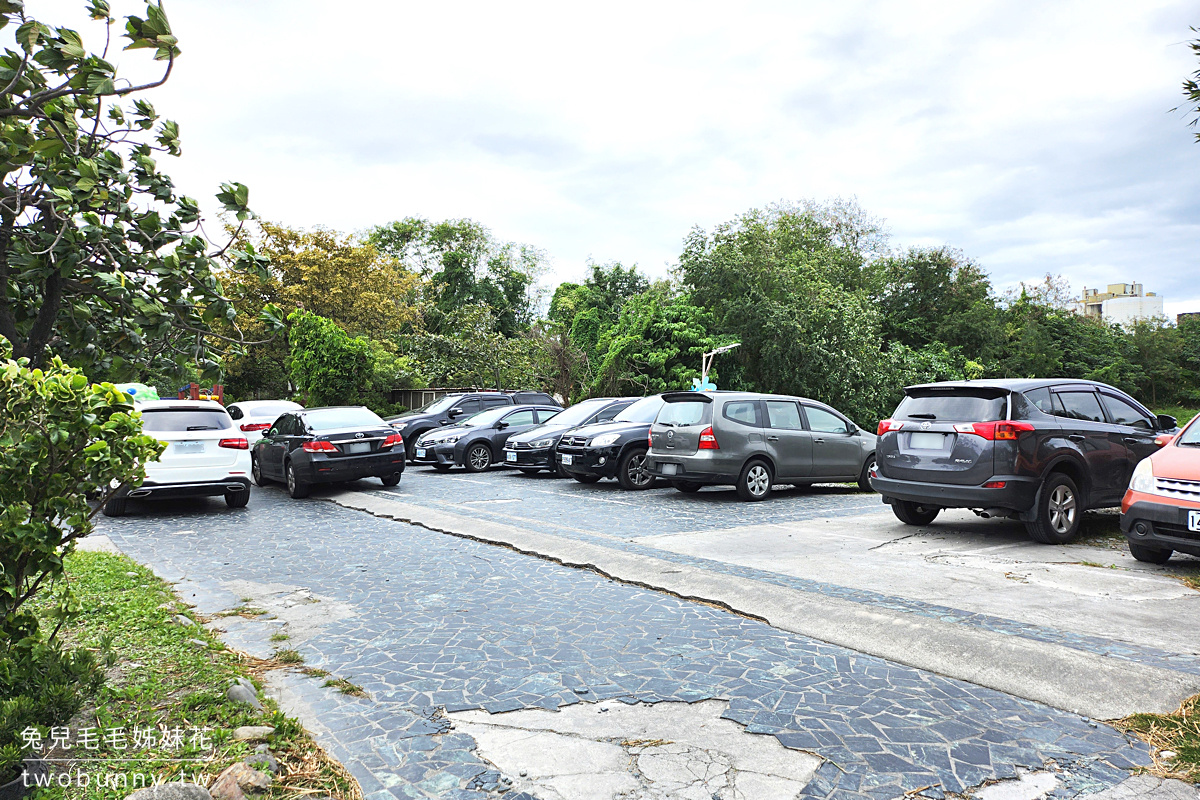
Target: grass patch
(289, 657)
(345, 687)
(1177, 733)
(279, 637)
(1182, 413)
(159, 683)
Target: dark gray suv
(1041, 451)
(754, 441)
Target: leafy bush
(330, 367)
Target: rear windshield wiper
(923, 416)
(202, 427)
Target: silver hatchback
(754, 441)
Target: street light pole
(707, 359)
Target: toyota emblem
(360, 434)
(925, 426)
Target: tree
(329, 367)
(463, 264)
(1191, 88)
(100, 261)
(473, 352)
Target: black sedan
(328, 445)
(476, 442)
(533, 450)
(614, 449)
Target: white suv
(206, 455)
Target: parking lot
(432, 625)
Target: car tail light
(392, 440)
(251, 427)
(650, 438)
(234, 444)
(707, 440)
(995, 431)
(319, 447)
(995, 485)
(886, 425)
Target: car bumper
(598, 462)
(526, 459)
(1017, 494)
(690, 469)
(350, 468)
(435, 454)
(1160, 522)
(179, 489)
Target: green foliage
(1191, 88)
(328, 366)
(473, 353)
(63, 439)
(100, 261)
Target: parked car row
(1039, 451)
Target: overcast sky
(1036, 137)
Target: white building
(1122, 303)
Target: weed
(1177, 733)
(289, 657)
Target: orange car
(1160, 512)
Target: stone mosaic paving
(668, 511)
(447, 623)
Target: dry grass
(1177, 733)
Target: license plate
(926, 441)
(1194, 520)
(510, 456)
(188, 447)
(358, 447)
(420, 452)
(670, 469)
(568, 459)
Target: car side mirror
(1164, 439)
(1167, 423)
(272, 432)
(852, 429)
(501, 425)
(454, 413)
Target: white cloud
(1033, 136)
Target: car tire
(411, 456)
(116, 507)
(257, 473)
(1059, 511)
(1149, 555)
(864, 477)
(478, 458)
(911, 513)
(754, 483)
(442, 467)
(687, 487)
(631, 471)
(585, 478)
(390, 480)
(296, 488)
(237, 499)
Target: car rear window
(959, 405)
(332, 418)
(185, 419)
(685, 412)
(271, 411)
(744, 412)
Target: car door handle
(819, 441)
(772, 438)
(1130, 440)
(1077, 437)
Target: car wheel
(256, 471)
(391, 480)
(237, 499)
(442, 467)
(755, 481)
(585, 478)
(911, 513)
(631, 471)
(1059, 511)
(115, 507)
(864, 478)
(479, 458)
(1149, 555)
(296, 487)
(686, 486)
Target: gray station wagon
(754, 441)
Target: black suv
(615, 449)
(451, 408)
(1041, 451)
